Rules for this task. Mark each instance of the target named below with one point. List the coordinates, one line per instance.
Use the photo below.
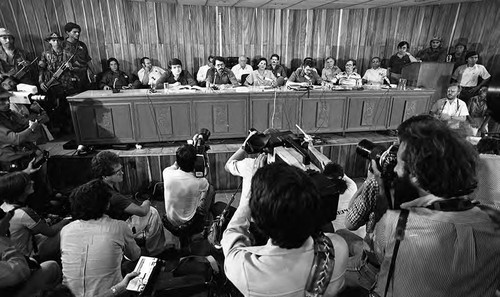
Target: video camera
(201, 165)
(300, 152)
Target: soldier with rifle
(14, 66)
(58, 81)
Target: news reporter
(143, 219)
(30, 233)
(93, 245)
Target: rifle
(46, 86)
(19, 74)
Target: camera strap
(322, 266)
(453, 204)
(400, 234)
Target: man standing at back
(80, 61)
(448, 246)
(434, 53)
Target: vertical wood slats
(129, 30)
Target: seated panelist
(330, 71)
(241, 69)
(349, 77)
(261, 76)
(149, 74)
(220, 75)
(305, 75)
(114, 78)
(278, 70)
(176, 76)
(201, 76)
(375, 75)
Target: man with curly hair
(448, 246)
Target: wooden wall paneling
(93, 42)
(99, 39)
(277, 36)
(27, 22)
(16, 23)
(37, 19)
(317, 46)
(191, 36)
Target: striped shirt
(442, 254)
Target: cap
(53, 35)
(5, 32)
(436, 38)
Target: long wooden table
(138, 116)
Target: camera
(199, 142)
(385, 158)
(40, 160)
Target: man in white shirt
(201, 76)
(467, 76)
(149, 74)
(187, 198)
(241, 68)
(451, 109)
(283, 204)
(375, 75)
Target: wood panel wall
(128, 30)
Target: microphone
(114, 83)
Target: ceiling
(311, 4)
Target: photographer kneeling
(439, 244)
(188, 199)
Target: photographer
(188, 199)
(18, 138)
(438, 244)
(284, 204)
(144, 220)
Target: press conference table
(138, 116)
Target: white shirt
(453, 108)
(375, 76)
(21, 224)
(182, 194)
(92, 252)
(201, 76)
(154, 74)
(239, 71)
(467, 76)
(243, 168)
